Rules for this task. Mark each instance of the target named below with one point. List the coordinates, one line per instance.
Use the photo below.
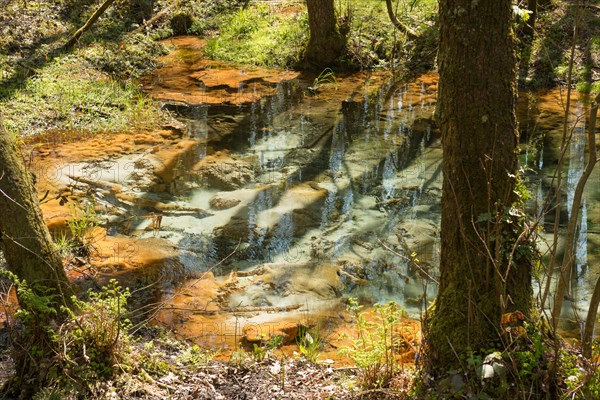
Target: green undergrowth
(256, 35)
(374, 350)
(92, 88)
(89, 350)
(277, 34)
(372, 40)
(71, 94)
(191, 17)
(548, 55)
(530, 364)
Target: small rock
(223, 203)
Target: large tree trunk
(326, 44)
(29, 253)
(482, 277)
(25, 239)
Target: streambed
(275, 197)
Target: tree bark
(326, 44)
(485, 268)
(30, 255)
(24, 237)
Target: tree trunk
(485, 270)
(326, 44)
(25, 239)
(29, 253)
(590, 322)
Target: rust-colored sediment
(188, 77)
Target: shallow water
(281, 201)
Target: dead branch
(97, 14)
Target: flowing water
(290, 199)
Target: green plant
(326, 76)
(194, 356)
(64, 245)
(153, 360)
(374, 350)
(239, 356)
(262, 350)
(309, 343)
(255, 35)
(80, 224)
(71, 342)
(70, 93)
(95, 342)
(49, 393)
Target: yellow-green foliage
(70, 94)
(95, 341)
(275, 36)
(257, 35)
(373, 350)
(372, 39)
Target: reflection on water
(542, 161)
(348, 180)
(334, 176)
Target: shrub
(374, 349)
(94, 342)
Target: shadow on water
(278, 195)
(325, 151)
(332, 174)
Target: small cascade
(257, 235)
(581, 246)
(576, 162)
(253, 126)
(388, 177)
(281, 239)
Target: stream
(279, 196)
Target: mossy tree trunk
(25, 239)
(326, 44)
(485, 266)
(30, 255)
